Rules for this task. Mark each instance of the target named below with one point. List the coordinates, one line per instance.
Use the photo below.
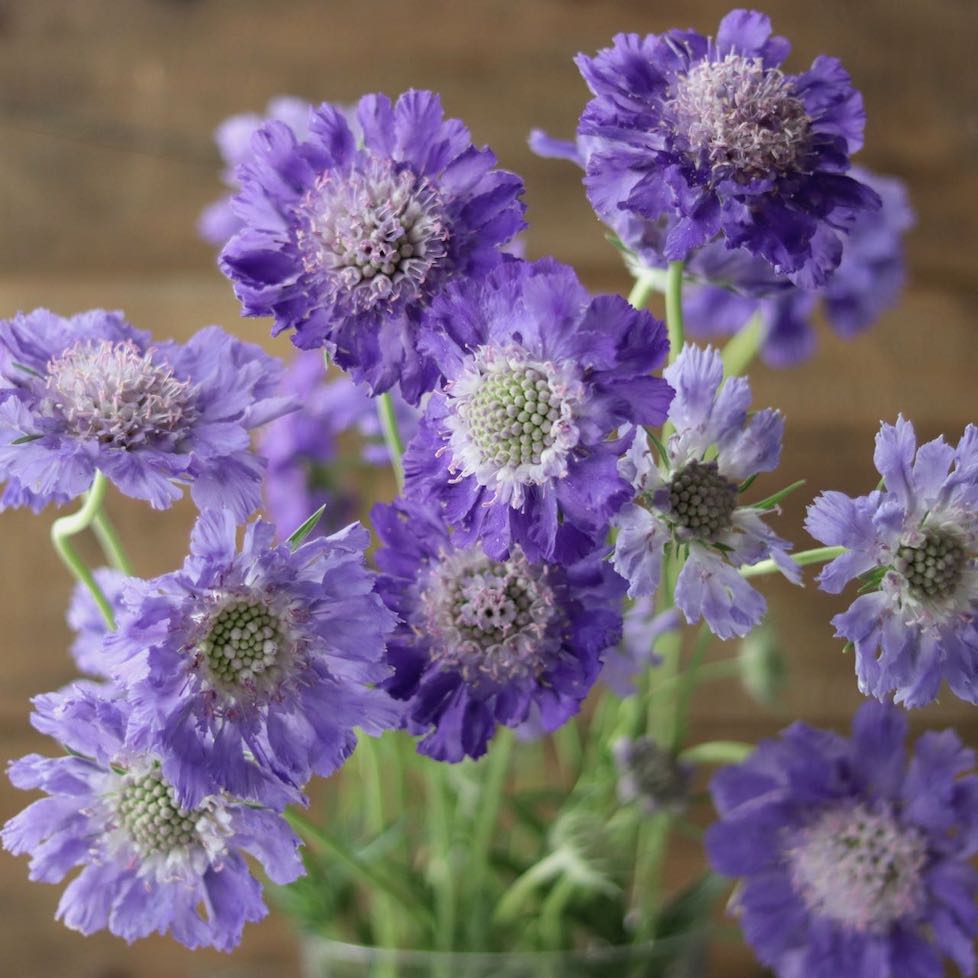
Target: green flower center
(243, 643)
(148, 811)
(933, 569)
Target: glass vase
(680, 957)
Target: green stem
(111, 544)
(392, 435)
(647, 282)
(674, 308)
(690, 677)
(522, 887)
(491, 797)
(441, 868)
(743, 346)
(68, 526)
(361, 870)
(819, 555)
(552, 914)
(718, 752)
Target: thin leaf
(299, 536)
(24, 439)
(773, 501)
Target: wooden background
(106, 110)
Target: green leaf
(747, 483)
(24, 439)
(27, 370)
(773, 501)
(691, 909)
(299, 536)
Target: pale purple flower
(686, 500)
(854, 858)
(913, 546)
(148, 863)
(91, 393)
(249, 670)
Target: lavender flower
(485, 642)
(218, 222)
(689, 500)
(867, 282)
(913, 545)
(714, 132)
(854, 858)
(91, 393)
(348, 243)
(303, 448)
(520, 445)
(269, 654)
(149, 864)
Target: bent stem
(68, 526)
(647, 282)
(110, 543)
(392, 435)
(818, 555)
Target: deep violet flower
(263, 654)
(521, 445)
(148, 863)
(91, 393)
(308, 464)
(218, 222)
(713, 132)
(913, 545)
(688, 499)
(854, 857)
(485, 642)
(347, 241)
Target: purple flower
(91, 393)
(347, 241)
(912, 544)
(712, 131)
(867, 283)
(149, 864)
(305, 462)
(484, 642)
(218, 222)
(853, 858)
(520, 447)
(266, 653)
(688, 501)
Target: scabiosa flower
(520, 446)
(484, 642)
(642, 627)
(714, 132)
(347, 241)
(688, 501)
(91, 393)
(267, 654)
(867, 282)
(87, 622)
(218, 222)
(650, 776)
(306, 465)
(854, 858)
(914, 547)
(149, 864)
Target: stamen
(701, 500)
(740, 119)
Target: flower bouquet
(501, 658)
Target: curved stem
(674, 308)
(111, 544)
(718, 752)
(743, 346)
(818, 555)
(68, 526)
(392, 435)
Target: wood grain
(106, 109)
